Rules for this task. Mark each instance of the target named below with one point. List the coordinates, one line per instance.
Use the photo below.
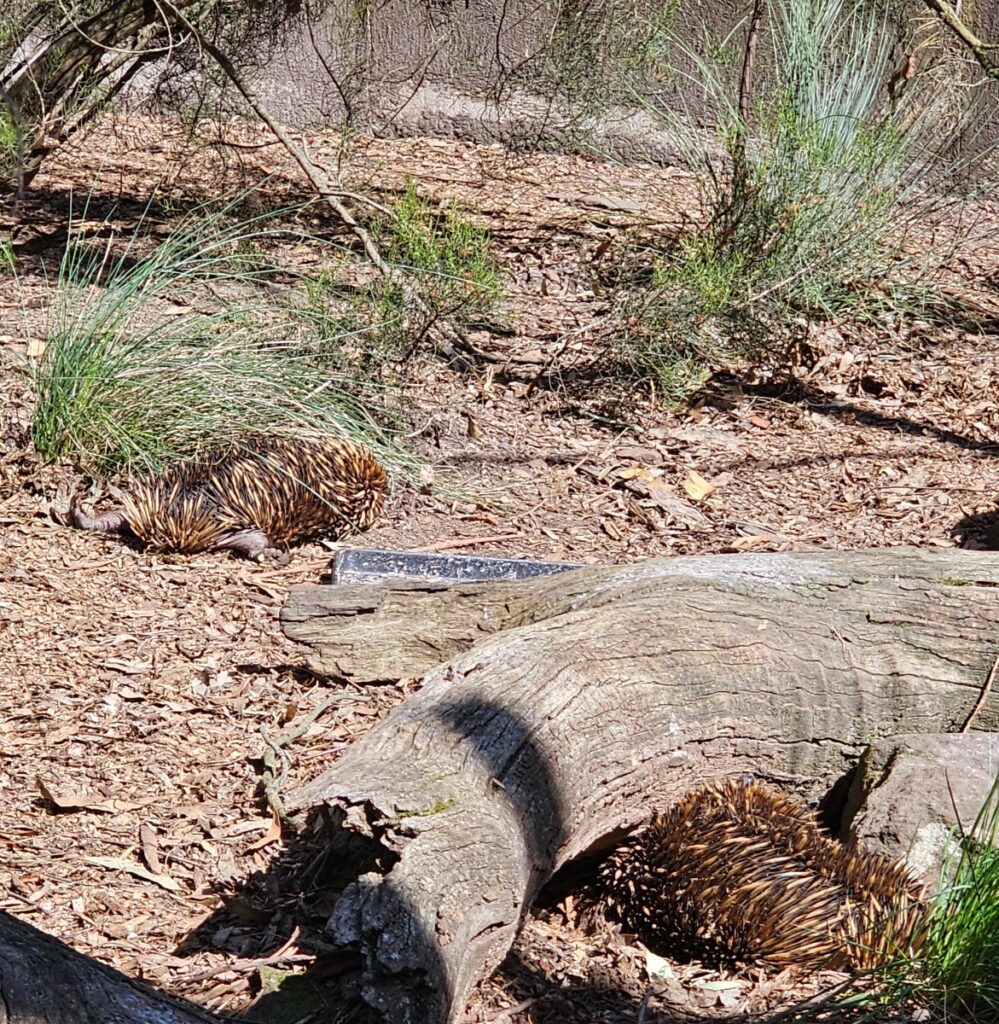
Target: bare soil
(141, 694)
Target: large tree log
(43, 980)
(582, 701)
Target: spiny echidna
(252, 496)
(738, 873)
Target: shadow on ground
(979, 532)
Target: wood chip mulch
(140, 694)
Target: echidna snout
(252, 543)
(108, 522)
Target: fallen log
(43, 979)
(573, 705)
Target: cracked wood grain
(44, 981)
(571, 706)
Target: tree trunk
(573, 705)
(43, 980)
(62, 75)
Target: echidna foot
(254, 544)
(109, 522)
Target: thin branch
(986, 690)
(733, 210)
(943, 10)
(748, 63)
(68, 126)
(448, 339)
(316, 176)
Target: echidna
(738, 873)
(253, 496)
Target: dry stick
(749, 60)
(317, 178)
(273, 782)
(644, 1005)
(464, 542)
(238, 966)
(983, 696)
(740, 163)
(509, 1012)
(943, 10)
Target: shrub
(819, 212)
(442, 261)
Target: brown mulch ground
(140, 692)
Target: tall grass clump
(157, 350)
(956, 972)
(816, 182)
(953, 973)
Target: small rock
(910, 791)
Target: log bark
(43, 980)
(573, 705)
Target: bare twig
(986, 690)
(740, 161)
(242, 966)
(466, 542)
(748, 63)
(643, 1006)
(273, 781)
(509, 1012)
(316, 176)
(448, 339)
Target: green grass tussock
(956, 973)
(155, 351)
(953, 974)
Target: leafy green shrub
(8, 144)
(817, 214)
(444, 267)
(347, 327)
(8, 262)
(448, 258)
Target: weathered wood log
(573, 705)
(43, 979)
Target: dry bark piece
(574, 704)
(913, 796)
